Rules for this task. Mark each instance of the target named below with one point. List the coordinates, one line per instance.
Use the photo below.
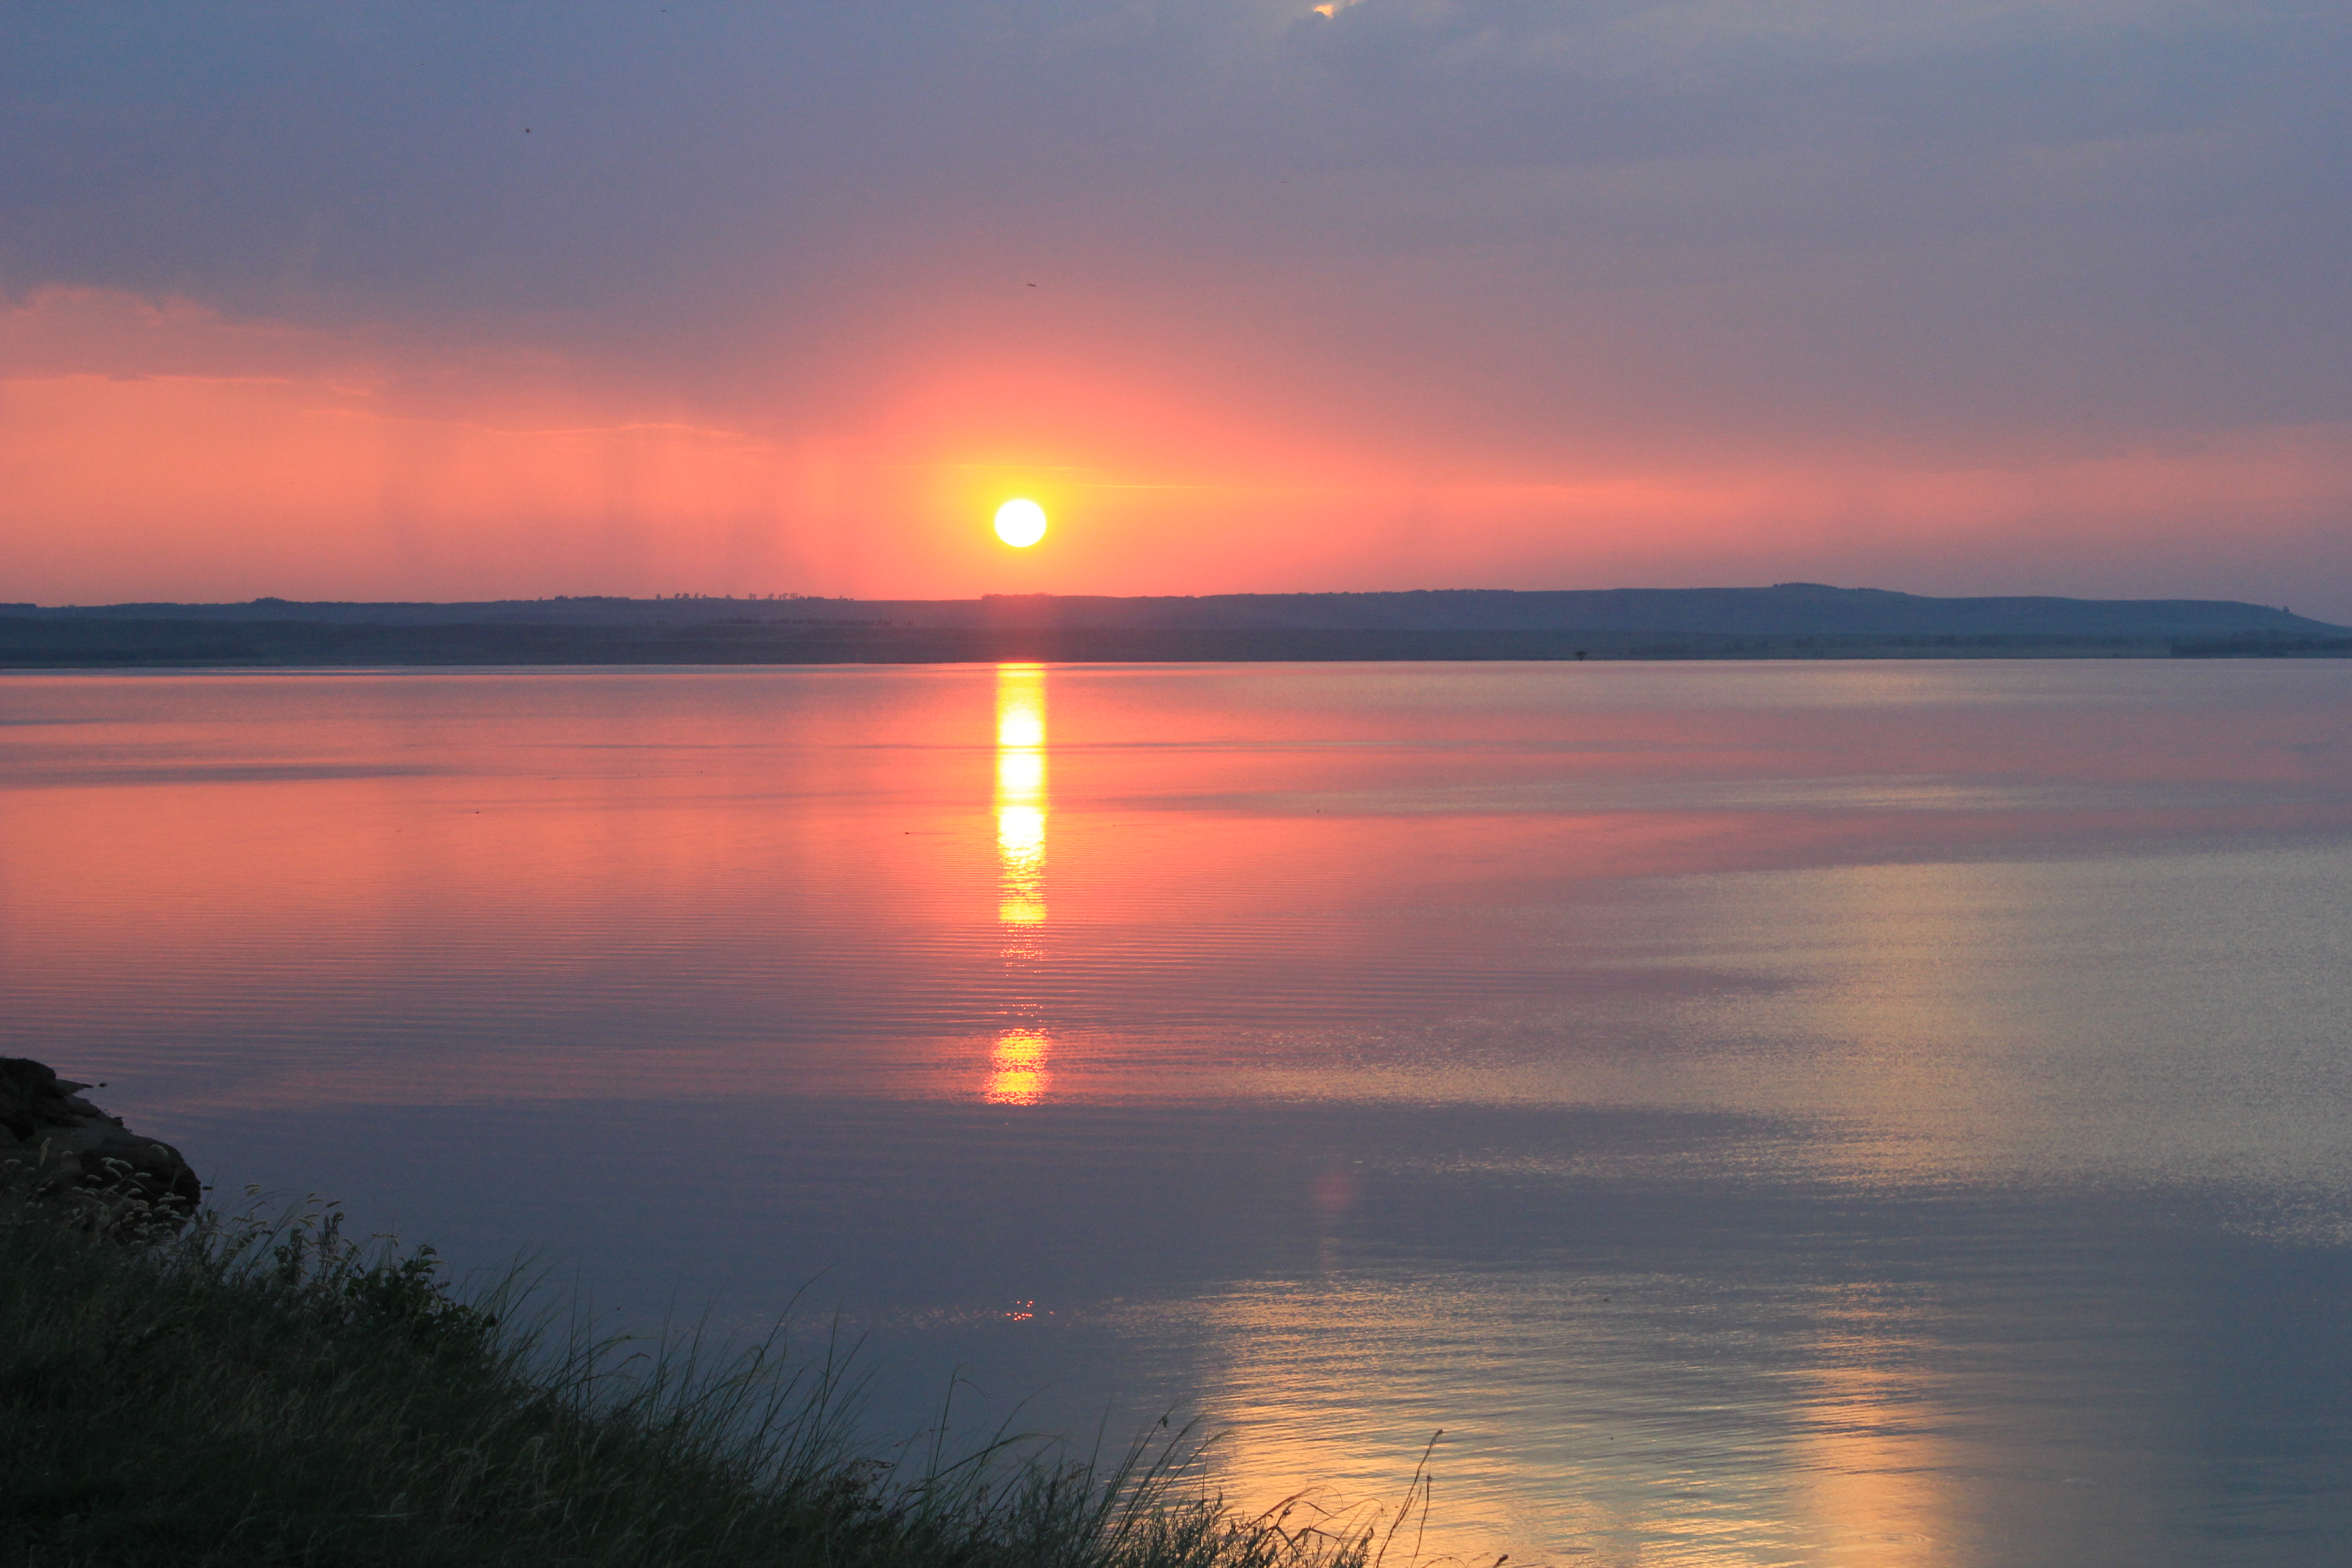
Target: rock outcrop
(56, 1145)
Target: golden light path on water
(1018, 1072)
(1865, 1470)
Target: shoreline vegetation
(250, 1390)
(1788, 621)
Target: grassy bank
(254, 1393)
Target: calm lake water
(1878, 1113)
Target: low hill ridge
(1784, 609)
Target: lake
(1885, 1113)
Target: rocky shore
(54, 1144)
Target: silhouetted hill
(1786, 609)
(1788, 620)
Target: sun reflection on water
(1020, 794)
(1017, 1066)
(1020, 859)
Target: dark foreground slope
(246, 1395)
(1790, 621)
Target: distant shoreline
(1786, 621)
(159, 644)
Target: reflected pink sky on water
(873, 880)
(1694, 1086)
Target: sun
(1021, 523)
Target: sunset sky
(413, 302)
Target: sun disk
(1021, 523)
